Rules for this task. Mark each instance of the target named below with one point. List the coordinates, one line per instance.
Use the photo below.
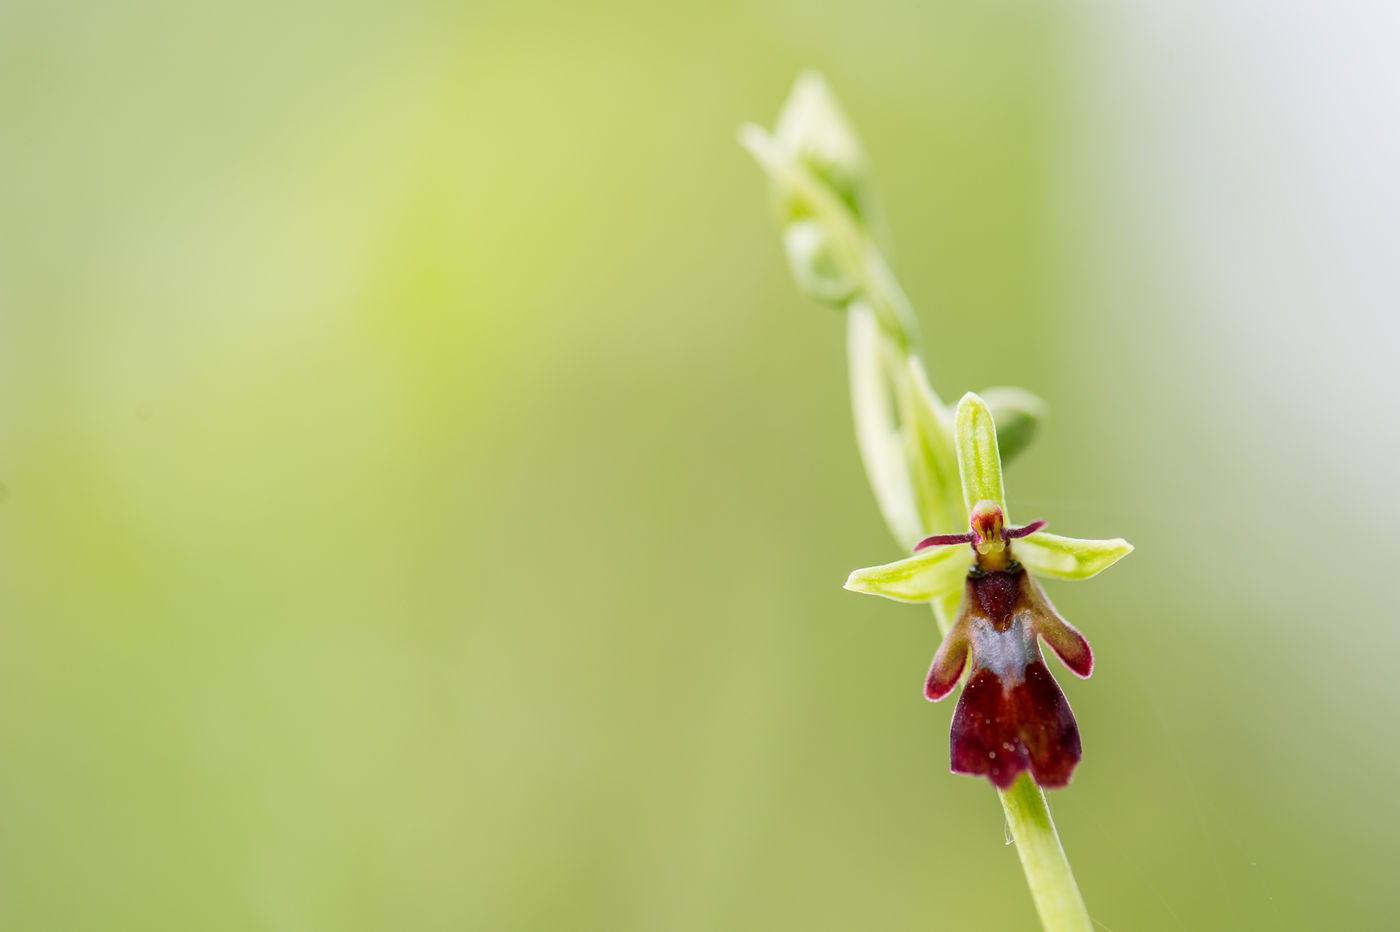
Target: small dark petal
(947, 664)
(943, 540)
(1027, 530)
(1071, 647)
(1047, 726)
(1063, 637)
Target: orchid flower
(1012, 715)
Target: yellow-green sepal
(1068, 557)
(927, 575)
(979, 461)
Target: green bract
(880, 435)
(1018, 414)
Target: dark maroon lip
(1001, 729)
(1012, 716)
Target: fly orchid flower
(1012, 715)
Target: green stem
(1048, 874)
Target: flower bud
(817, 269)
(813, 129)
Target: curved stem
(906, 445)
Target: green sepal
(979, 461)
(1068, 557)
(927, 575)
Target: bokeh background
(424, 500)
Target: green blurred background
(425, 499)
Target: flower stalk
(934, 473)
